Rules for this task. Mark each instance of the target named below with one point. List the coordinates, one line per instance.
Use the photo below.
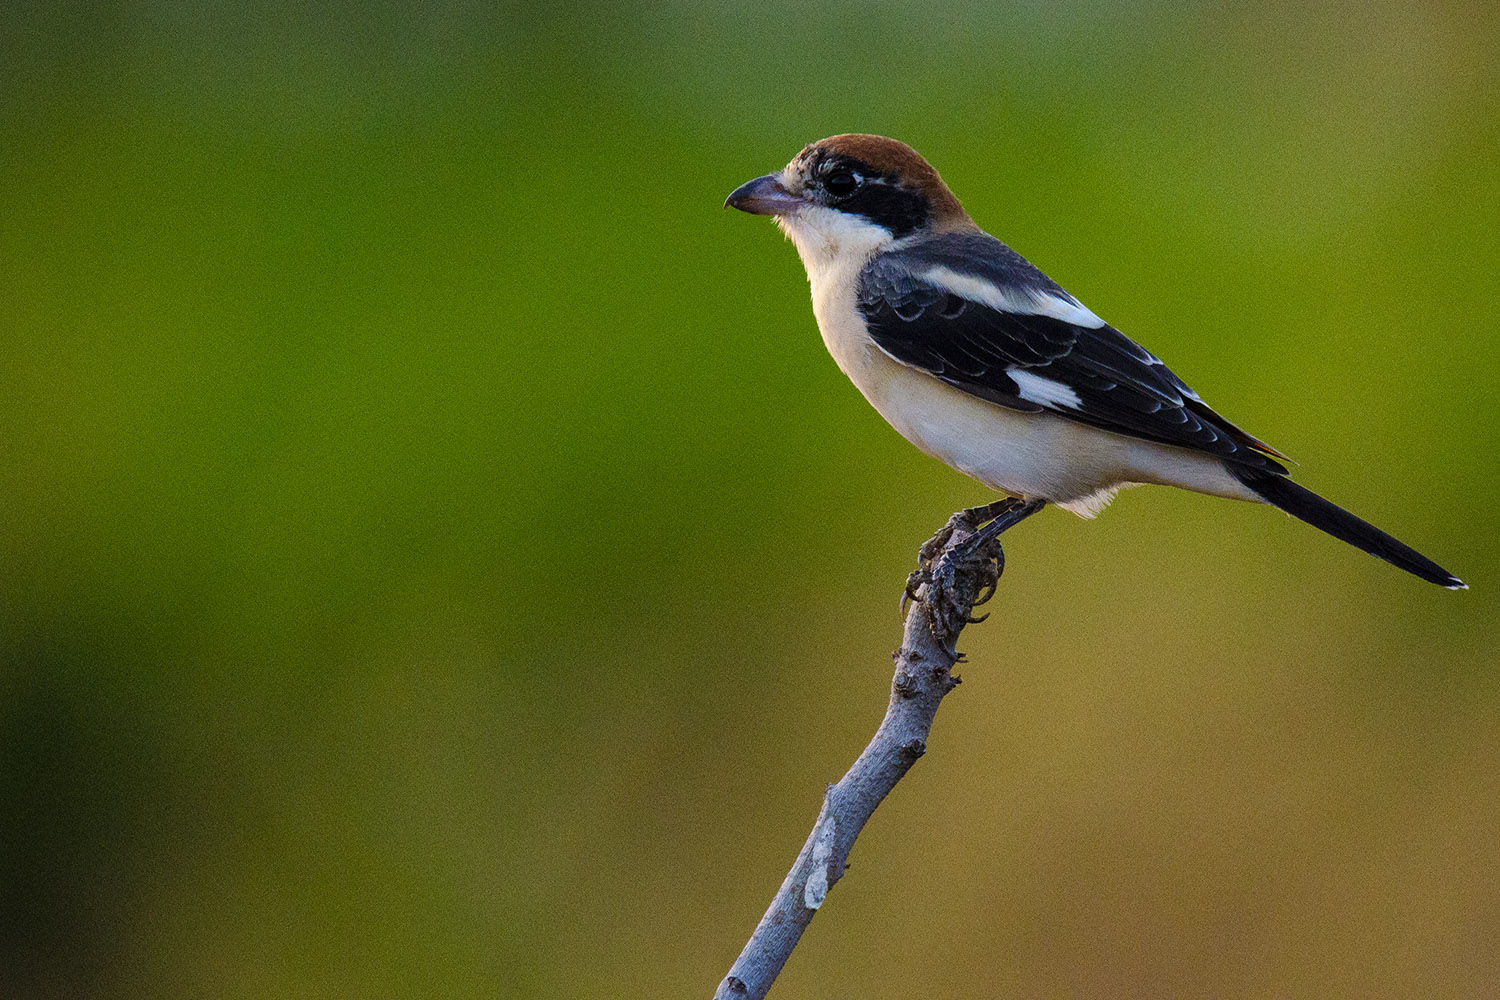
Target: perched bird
(982, 361)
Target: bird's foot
(958, 570)
(965, 521)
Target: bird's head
(849, 196)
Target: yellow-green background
(439, 558)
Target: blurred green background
(440, 559)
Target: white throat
(831, 241)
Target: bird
(982, 361)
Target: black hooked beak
(764, 196)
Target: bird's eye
(841, 183)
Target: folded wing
(974, 313)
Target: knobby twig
(951, 580)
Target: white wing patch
(1044, 391)
(1012, 300)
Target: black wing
(974, 313)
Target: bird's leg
(968, 519)
(982, 546)
(938, 565)
(989, 511)
(1007, 518)
(974, 562)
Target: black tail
(1306, 505)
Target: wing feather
(971, 311)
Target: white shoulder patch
(1012, 300)
(1044, 391)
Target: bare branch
(953, 577)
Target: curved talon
(976, 621)
(914, 581)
